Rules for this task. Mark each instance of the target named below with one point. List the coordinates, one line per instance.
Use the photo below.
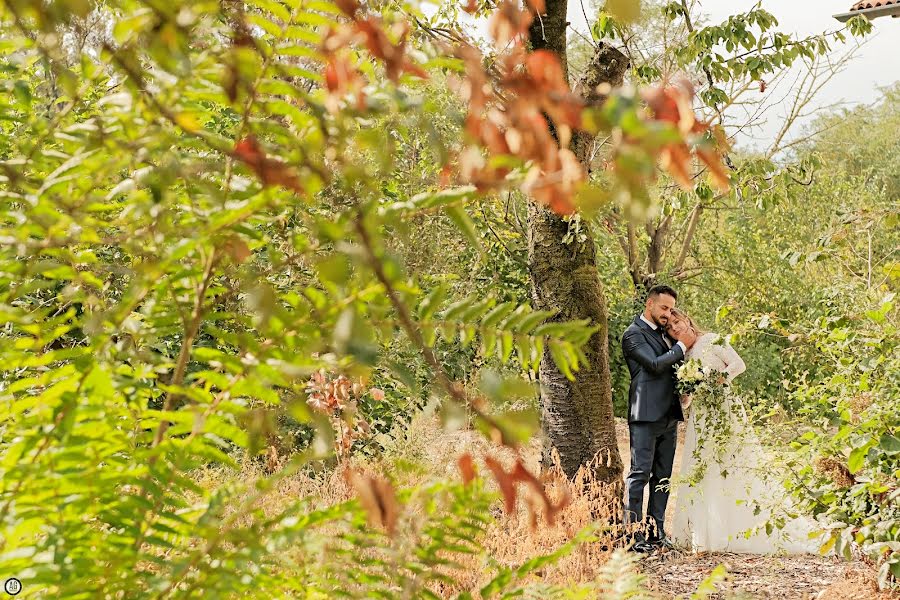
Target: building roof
(871, 4)
(871, 9)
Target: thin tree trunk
(688, 237)
(655, 250)
(577, 416)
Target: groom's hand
(688, 338)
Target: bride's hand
(686, 400)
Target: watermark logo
(12, 586)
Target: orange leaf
(717, 170)
(393, 55)
(467, 468)
(537, 6)
(348, 7)
(237, 249)
(505, 481)
(268, 170)
(378, 499)
(546, 71)
(520, 473)
(676, 159)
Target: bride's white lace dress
(714, 513)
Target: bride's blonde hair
(680, 314)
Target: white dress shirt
(654, 327)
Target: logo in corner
(12, 586)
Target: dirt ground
(800, 577)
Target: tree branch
(688, 237)
(453, 389)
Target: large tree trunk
(577, 416)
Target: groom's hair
(658, 290)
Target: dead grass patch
(426, 453)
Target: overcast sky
(876, 64)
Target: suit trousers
(652, 454)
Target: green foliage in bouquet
(712, 405)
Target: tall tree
(742, 65)
(577, 414)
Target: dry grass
(859, 584)
(424, 452)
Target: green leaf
(857, 458)
(432, 302)
(890, 444)
(464, 223)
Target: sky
(876, 64)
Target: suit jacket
(653, 395)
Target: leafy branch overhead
(748, 45)
(505, 328)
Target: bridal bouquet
(690, 375)
(702, 387)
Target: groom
(653, 412)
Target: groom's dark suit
(653, 415)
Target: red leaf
(467, 468)
(393, 55)
(268, 170)
(676, 159)
(248, 150)
(446, 176)
(378, 499)
(237, 249)
(546, 71)
(340, 76)
(717, 170)
(537, 6)
(508, 22)
(520, 473)
(348, 7)
(673, 104)
(505, 481)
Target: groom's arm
(635, 345)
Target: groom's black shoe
(656, 537)
(662, 543)
(640, 544)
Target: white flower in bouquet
(691, 372)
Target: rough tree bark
(577, 416)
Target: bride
(723, 497)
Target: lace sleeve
(734, 364)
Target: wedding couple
(724, 507)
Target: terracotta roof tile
(873, 4)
